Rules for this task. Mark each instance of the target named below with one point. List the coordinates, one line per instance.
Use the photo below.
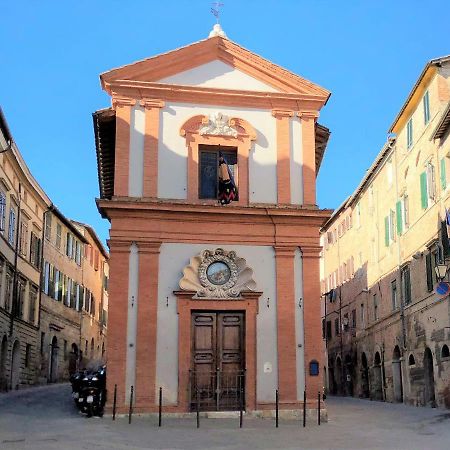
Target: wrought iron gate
(217, 391)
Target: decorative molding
(282, 113)
(122, 101)
(217, 125)
(308, 114)
(195, 276)
(152, 103)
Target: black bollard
(198, 409)
(241, 409)
(160, 407)
(318, 408)
(130, 412)
(276, 408)
(304, 409)
(115, 402)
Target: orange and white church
(217, 304)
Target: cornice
(308, 114)
(128, 89)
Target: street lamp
(441, 271)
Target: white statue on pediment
(218, 126)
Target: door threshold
(221, 414)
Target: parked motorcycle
(89, 391)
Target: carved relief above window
(217, 274)
(217, 125)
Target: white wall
(172, 151)
(136, 167)
(217, 74)
(133, 286)
(173, 258)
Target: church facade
(219, 305)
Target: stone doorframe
(249, 304)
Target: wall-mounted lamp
(441, 271)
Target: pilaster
(152, 118)
(283, 155)
(308, 121)
(286, 339)
(147, 323)
(312, 317)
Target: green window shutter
(443, 174)
(399, 217)
(386, 231)
(423, 190)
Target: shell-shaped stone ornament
(217, 274)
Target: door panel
(217, 371)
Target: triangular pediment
(224, 60)
(217, 74)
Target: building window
(427, 186)
(208, 168)
(426, 108)
(445, 352)
(33, 301)
(363, 316)
(336, 327)
(21, 297)
(411, 360)
(42, 342)
(27, 355)
(48, 226)
(354, 318)
(58, 236)
(394, 295)
(389, 230)
(69, 245)
(23, 238)
(35, 250)
(2, 211)
(97, 260)
(12, 226)
(409, 133)
(431, 260)
(375, 307)
(329, 335)
(406, 285)
(8, 290)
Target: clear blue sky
(367, 53)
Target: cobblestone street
(45, 418)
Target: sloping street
(45, 418)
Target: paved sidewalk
(44, 418)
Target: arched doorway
(365, 390)
(377, 386)
(331, 379)
(3, 358)
(53, 375)
(15, 366)
(397, 379)
(338, 376)
(73, 359)
(430, 399)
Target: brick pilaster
(117, 319)
(287, 367)
(312, 317)
(308, 121)
(147, 323)
(122, 154)
(283, 155)
(152, 117)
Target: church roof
(213, 48)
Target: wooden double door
(217, 376)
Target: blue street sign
(442, 288)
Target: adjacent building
(53, 281)
(218, 305)
(386, 330)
